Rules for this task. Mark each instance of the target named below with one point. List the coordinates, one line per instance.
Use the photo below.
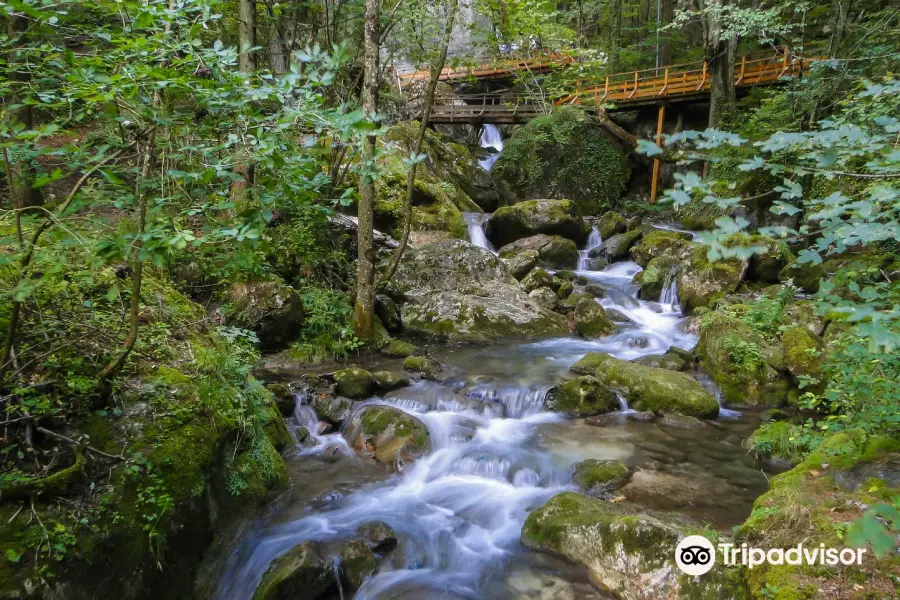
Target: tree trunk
(667, 13)
(720, 69)
(364, 306)
(247, 34)
(615, 34)
(436, 69)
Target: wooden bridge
(688, 82)
(506, 69)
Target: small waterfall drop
(669, 294)
(490, 138)
(476, 222)
(594, 240)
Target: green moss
(601, 474)
(591, 319)
(659, 243)
(582, 397)
(354, 382)
(610, 224)
(802, 352)
(399, 349)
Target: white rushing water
(490, 138)
(669, 294)
(594, 240)
(475, 223)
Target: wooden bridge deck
(625, 91)
(499, 70)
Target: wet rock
(536, 279)
(591, 319)
(271, 309)
(665, 491)
(284, 399)
(354, 383)
(617, 315)
(803, 312)
(458, 292)
(596, 290)
(545, 297)
(331, 408)
(680, 421)
(424, 366)
(641, 416)
(533, 217)
(379, 537)
(301, 573)
(616, 248)
(305, 438)
(386, 381)
(659, 243)
(389, 435)
(805, 276)
(604, 420)
(610, 224)
(625, 552)
(647, 388)
(565, 290)
(567, 306)
(581, 397)
(670, 362)
(775, 414)
(553, 251)
(700, 280)
(357, 562)
(741, 362)
(598, 478)
(652, 279)
(802, 352)
(522, 263)
(387, 311)
(399, 349)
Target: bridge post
(654, 183)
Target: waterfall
(476, 222)
(669, 293)
(593, 241)
(490, 138)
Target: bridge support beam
(654, 184)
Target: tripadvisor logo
(696, 555)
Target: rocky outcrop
(553, 251)
(628, 553)
(303, 572)
(564, 154)
(581, 397)
(701, 281)
(271, 309)
(610, 224)
(652, 279)
(455, 291)
(354, 383)
(598, 478)
(659, 243)
(388, 435)
(741, 362)
(648, 388)
(802, 352)
(616, 248)
(533, 217)
(591, 319)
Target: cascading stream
(475, 223)
(490, 138)
(594, 240)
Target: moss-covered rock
(770, 257)
(598, 478)
(520, 264)
(533, 217)
(565, 290)
(458, 292)
(802, 352)
(805, 276)
(424, 366)
(659, 243)
(271, 309)
(591, 319)
(545, 297)
(648, 388)
(630, 554)
(354, 382)
(387, 311)
(537, 278)
(617, 247)
(553, 251)
(386, 381)
(669, 362)
(357, 562)
(701, 281)
(330, 408)
(610, 224)
(301, 573)
(652, 279)
(741, 362)
(581, 397)
(389, 435)
(399, 349)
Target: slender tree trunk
(436, 69)
(364, 307)
(720, 69)
(667, 13)
(615, 34)
(247, 34)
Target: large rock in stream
(551, 251)
(628, 553)
(533, 217)
(389, 435)
(701, 280)
(649, 388)
(457, 292)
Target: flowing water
(475, 222)
(490, 138)
(594, 240)
(496, 455)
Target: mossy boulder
(387, 311)
(458, 292)
(803, 312)
(533, 217)
(568, 305)
(618, 246)
(802, 352)
(630, 554)
(330, 408)
(545, 297)
(388, 435)
(741, 362)
(598, 478)
(770, 257)
(582, 397)
(271, 309)
(565, 290)
(648, 388)
(669, 362)
(399, 349)
(520, 264)
(805, 276)
(701, 280)
(386, 381)
(354, 383)
(553, 251)
(611, 223)
(658, 243)
(302, 572)
(357, 562)
(591, 319)
(424, 366)
(537, 278)
(652, 279)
